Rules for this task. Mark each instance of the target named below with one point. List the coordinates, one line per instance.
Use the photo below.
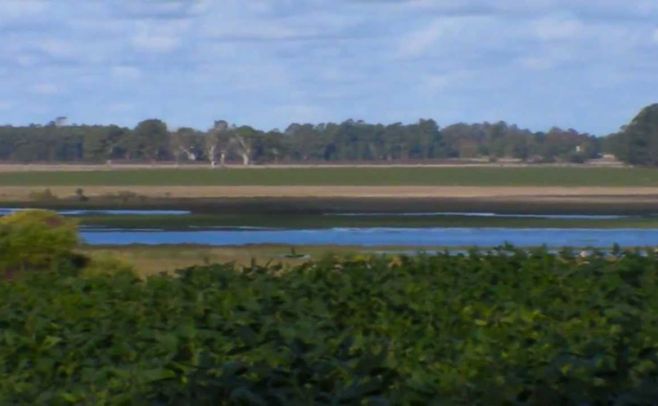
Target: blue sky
(585, 64)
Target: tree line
(350, 141)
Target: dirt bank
(8, 193)
(312, 199)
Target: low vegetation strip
(501, 328)
(126, 194)
(386, 176)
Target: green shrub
(502, 328)
(35, 240)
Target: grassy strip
(301, 221)
(151, 260)
(430, 176)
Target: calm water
(442, 237)
(488, 215)
(100, 212)
(380, 236)
(110, 212)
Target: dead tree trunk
(212, 156)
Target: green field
(403, 176)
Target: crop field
(507, 327)
(386, 176)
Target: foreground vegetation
(505, 327)
(348, 176)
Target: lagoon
(380, 236)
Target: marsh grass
(349, 176)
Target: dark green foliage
(501, 140)
(509, 327)
(349, 141)
(35, 240)
(62, 144)
(637, 144)
(151, 139)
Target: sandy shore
(610, 194)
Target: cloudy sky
(586, 64)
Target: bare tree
(211, 148)
(184, 143)
(217, 143)
(244, 148)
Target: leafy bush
(34, 240)
(503, 328)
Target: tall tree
(152, 139)
(186, 143)
(638, 141)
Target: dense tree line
(423, 141)
(637, 143)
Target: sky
(584, 64)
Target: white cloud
(122, 107)
(545, 58)
(304, 113)
(155, 43)
(161, 9)
(126, 72)
(321, 59)
(647, 6)
(557, 28)
(15, 9)
(45, 89)
(418, 42)
(451, 34)
(264, 31)
(26, 60)
(440, 81)
(55, 47)
(159, 37)
(538, 62)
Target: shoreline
(22, 193)
(317, 200)
(154, 259)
